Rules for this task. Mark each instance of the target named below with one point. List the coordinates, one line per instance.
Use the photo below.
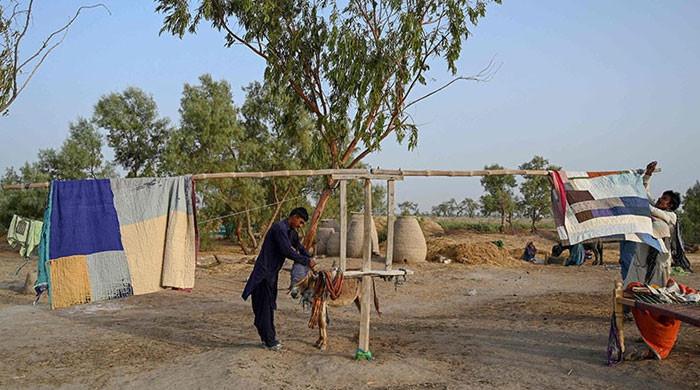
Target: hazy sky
(590, 85)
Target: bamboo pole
(483, 172)
(345, 174)
(366, 294)
(390, 206)
(28, 186)
(377, 273)
(287, 173)
(343, 224)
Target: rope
(252, 209)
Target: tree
(408, 208)
(80, 155)
(690, 218)
(206, 141)
(18, 64)
(356, 67)
(29, 204)
(468, 207)
(134, 130)
(536, 190)
(448, 208)
(499, 195)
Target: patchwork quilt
(602, 205)
(112, 238)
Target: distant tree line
(269, 131)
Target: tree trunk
(318, 212)
(239, 228)
(503, 220)
(249, 229)
(273, 218)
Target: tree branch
(484, 75)
(65, 27)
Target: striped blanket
(105, 239)
(602, 205)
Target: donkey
(324, 289)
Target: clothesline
(252, 209)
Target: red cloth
(659, 332)
(561, 190)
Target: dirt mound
(476, 253)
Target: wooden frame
(391, 176)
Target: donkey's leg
(319, 341)
(323, 327)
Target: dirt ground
(451, 326)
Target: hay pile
(430, 227)
(477, 253)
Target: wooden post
(619, 313)
(343, 224)
(367, 250)
(390, 206)
(366, 293)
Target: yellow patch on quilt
(179, 257)
(144, 244)
(70, 283)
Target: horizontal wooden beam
(362, 176)
(339, 174)
(483, 172)
(27, 186)
(380, 273)
(307, 172)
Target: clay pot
(333, 244)
(322, 236)
(329, 223)
(356, 235)
(409, 242)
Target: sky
(594, 85)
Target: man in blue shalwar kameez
(281, 242)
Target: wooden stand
(619, 313)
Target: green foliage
(452, 208)
(469, 207)
(355, 199)
(29, 204)
(134, 130)
(408, 208)
(80, 156)
(690, 217)
(356, 67)
(499, 195)
(271, 131)
(449, 208)
(535, 190)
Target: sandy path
(527, 327)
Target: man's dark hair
(301, 212)
(675, 199)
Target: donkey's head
(303, 285)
